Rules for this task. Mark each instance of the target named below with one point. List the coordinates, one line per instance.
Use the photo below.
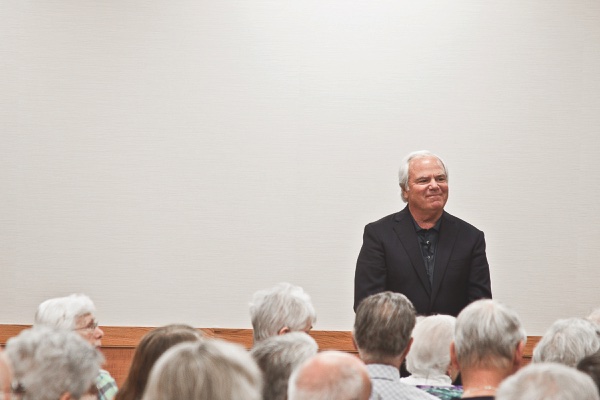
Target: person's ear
(284, 330)
(407, 349)
(518, 360)
(66, 396)
(453, 358)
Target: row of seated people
(58, 359)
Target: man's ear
(407, 349)
(453, 358)
(66, 396)
(518, 360)
(284, 330)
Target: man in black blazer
(436, 260)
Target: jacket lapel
(447, 238)
(405, 230)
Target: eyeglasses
(89, 327)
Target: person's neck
(425, 220)
(481, 382)
(391, 361)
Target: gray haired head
(277, 356)
(49, 363)
(63, 312)
(404, 171)
(209, 369)
(487, 335)
(548, 381)
(383, 326)
(567, 341)
(429, 353)
(280, 309)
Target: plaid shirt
(387, 385)
(107, 387)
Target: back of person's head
(383, 326)
(567, 341)
(547, 381)
(281, 309)
(278, 356)
(330, 375)
(63, 312)
(206, 369)
(429, 353)
(49, 363)
(150, 348)
(590, 365)
(488, 335)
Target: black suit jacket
(390, 259)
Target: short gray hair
(567, 341)
(278, 356)
(548, 381)
(429, 353)
(330, 375)
(209, 369)
(487, 334)
(383, 325)
(284, 305)
(63, 312)
(404, 171)
(49, 363)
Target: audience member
(567, 342)
(428, 360)
(150, 348)
(488, 347)
(278, 356)
(281, 309)
(77, 313)
(382, 333)
(548, 381)
(591, 366)
(51, 364)
(330, 375)
(206, 369)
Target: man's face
(88, 328)
(427, 187)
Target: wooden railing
(119, 343)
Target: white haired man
(330, 375)
(567, 342)
(281, 309)
(488, 347)
(209, 369)
(50, 364)
(548, 381)
(77, 313)
(382, 333)
(277, 356)
(436, 260)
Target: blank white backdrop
(170, 158)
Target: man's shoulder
(391, 218)
(460, 222)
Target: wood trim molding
(119, 343)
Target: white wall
(169, 158)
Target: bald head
(330, 375)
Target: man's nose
(99, 333)
(433, 184)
